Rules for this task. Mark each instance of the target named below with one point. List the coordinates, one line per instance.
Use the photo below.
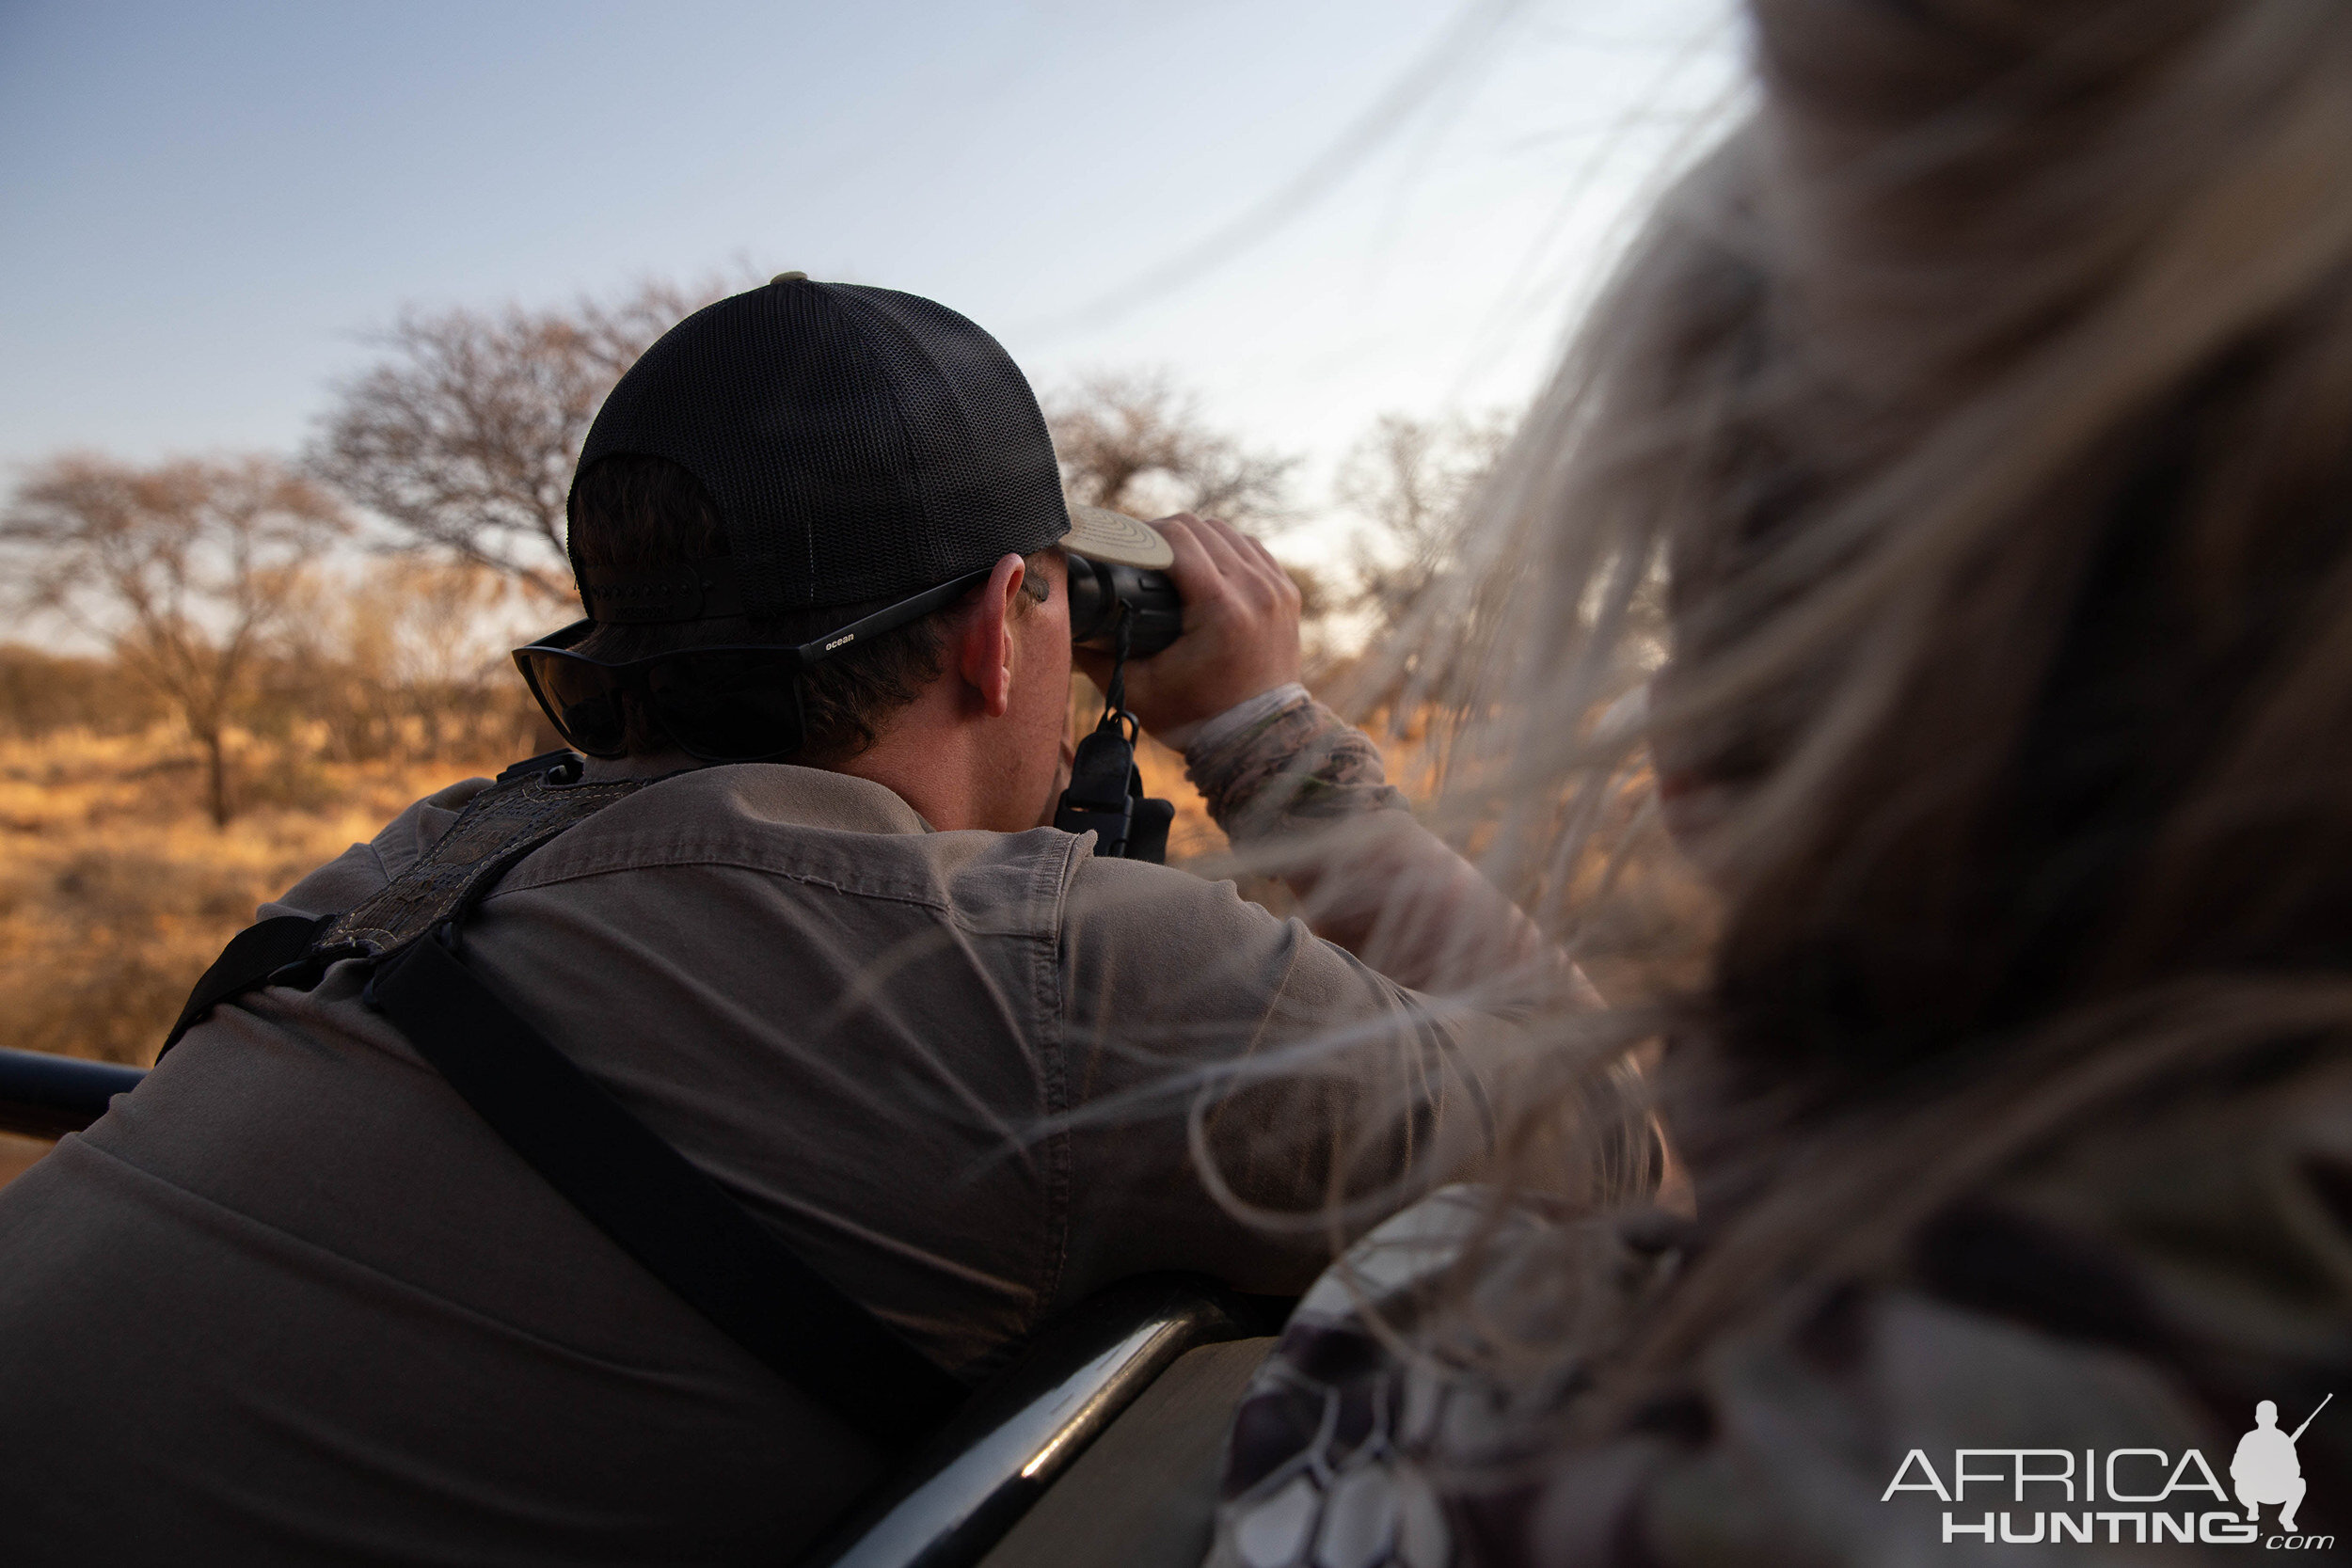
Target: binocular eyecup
(1098, 592)
(1128, 612)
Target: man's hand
(1241, 629)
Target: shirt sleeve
(1243, 1095)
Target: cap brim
(1110, 536)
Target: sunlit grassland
(116, 891)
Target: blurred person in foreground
(1984, 403)
(293, 1299)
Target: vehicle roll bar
(972, 1482)
(43, 1095)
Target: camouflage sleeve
(2072, 1356)
(1299, 765)
(1845, 1447)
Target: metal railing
(994, 1458)
(46, 1096)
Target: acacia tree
(407, 656)
(190, 568)
(465, 434)
(1410, 481)
(1135, 443)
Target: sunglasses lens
(582, 701)
(728, 707)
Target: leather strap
(252, 955)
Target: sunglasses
(738, 703)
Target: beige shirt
(290, 1301)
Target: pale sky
(204, 208)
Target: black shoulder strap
(660, 1208)
(526, 806)
(252, 955)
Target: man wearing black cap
(307, 1295)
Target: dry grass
(116, 891)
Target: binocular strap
(1106, 793)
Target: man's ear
(984, 649)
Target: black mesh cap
(859, 443)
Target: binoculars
(1102, 595)
(1131, 613)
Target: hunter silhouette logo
(2120, 1497)
(2266, 1468)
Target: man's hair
(633, 512)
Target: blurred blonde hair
(1983, 404)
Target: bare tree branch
(191, 568)
(465, 435)
(1134, 443)
(1410, 480)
